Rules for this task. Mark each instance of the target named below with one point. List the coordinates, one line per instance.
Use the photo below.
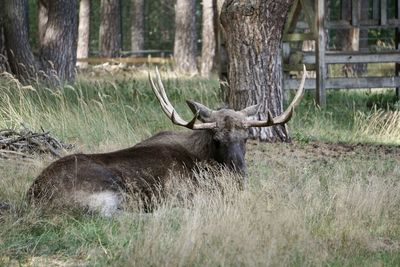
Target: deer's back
(142, 168)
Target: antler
(285, 116)
(169, 110)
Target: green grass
(332, 198)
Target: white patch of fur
(105, 202)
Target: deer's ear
(204, 112)
(250, 111)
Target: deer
(98, 182)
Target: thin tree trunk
(208, 38)
(222, 56)
(83, 32)
(185, 36)
(137, 27)
(253, 32)
(3, 53)
(110, 30)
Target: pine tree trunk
(83, 32)
(19, 54)
(185, 36)
(137, 27)
(110, 30)
(253, 33)
(57, 57)
(58, 51)
(208, 38)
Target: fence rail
(127, 60)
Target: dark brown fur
(143, 169)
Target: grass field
(331, 198)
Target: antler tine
(285, 116)
(164, 106)
(169, 109)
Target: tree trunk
(208, 38)
(253, 32)
(58, 51)
(137, 27)
(83, 32)
(42, 19)
(110, 30)
(185, 36)
(3, 53)
(222, 56)
(57, 57)
(3, 57)
(19, 54)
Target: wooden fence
(317, 23)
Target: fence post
(397, 43)
(320, 55)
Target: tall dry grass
(380, 124)
(303, 205)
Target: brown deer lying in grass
(97, 182)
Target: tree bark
(222, 56)
(137, 27)
(19, 54)
(3, 57)
(185, 36)
(110, 30)
(58, 51)
(253, 32)
(83, 32)
(3, 53)
(42, 10)
(208, 49)
(57, 54)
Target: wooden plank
(309, 14)
(355, 13)
(294, 37)
(354, 57)
(398, 9)
(383, 12)
(321, 71)
(363, 82)
(338, 24)
(298, 67)
(375, 9)
(128, 60)
(142, 52)
(369, 24)
(292, 17)
(345, 10)
(347, 83)
(301, 25)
